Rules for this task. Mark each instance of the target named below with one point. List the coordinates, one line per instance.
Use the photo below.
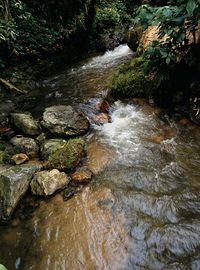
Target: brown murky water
(142, 210)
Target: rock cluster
(51, 148)
(43, 155)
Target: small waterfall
(109, 58)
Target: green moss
(67, 156)
(2, 147)
(131, 81)
(4, 157)
(13, 150)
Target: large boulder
(67, 156)
(50, 146)
(45, 183)
(26, 145)
(25, 123)
(14, 183)
(64, 121)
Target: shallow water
(78, 84)
(142, 210)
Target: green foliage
(36, 27)
(110, 14)
(176, 25)
(106, 17)
(2, 267)
(8, 31)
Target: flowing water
(141, 211)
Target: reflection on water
(75, 234)
(142, 210)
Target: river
(142, 209)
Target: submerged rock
(50, 146)
(70, 191)
(67, 156)
(64, 121)
(19, 158)
(26, 145)
(45, 183)
(83, 175)
(25, 123)
(14, 183)
(102, 118)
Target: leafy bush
(110, 14)
(177, 25)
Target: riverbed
(142, 209)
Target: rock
(64, 121)
(82, 176)
(14, 183)
(26, 145)
(36, 162)
(6, 107)
(110, 38)
(70, 191)
(103, 105)
(102, 118)
(19, 158)
(98, 156)
(67, 156)
(50, 146)
(4, 129)
(45, 183)
(25, 123)
(133, 38)
(41, 138)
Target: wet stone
(19, 158)
(50, 146)
(45, 183)
(81, 176)
(14, 183)
(25, 123)
(64, 121)
(70, 191)
(68, 156)
(26, 145)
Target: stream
(142, 209)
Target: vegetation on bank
(170, 62)
(36, 29)
(167, 69)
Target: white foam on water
(108, 58)
(129, 125)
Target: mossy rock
(67, 156)
(4, 157)
(131, 81)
